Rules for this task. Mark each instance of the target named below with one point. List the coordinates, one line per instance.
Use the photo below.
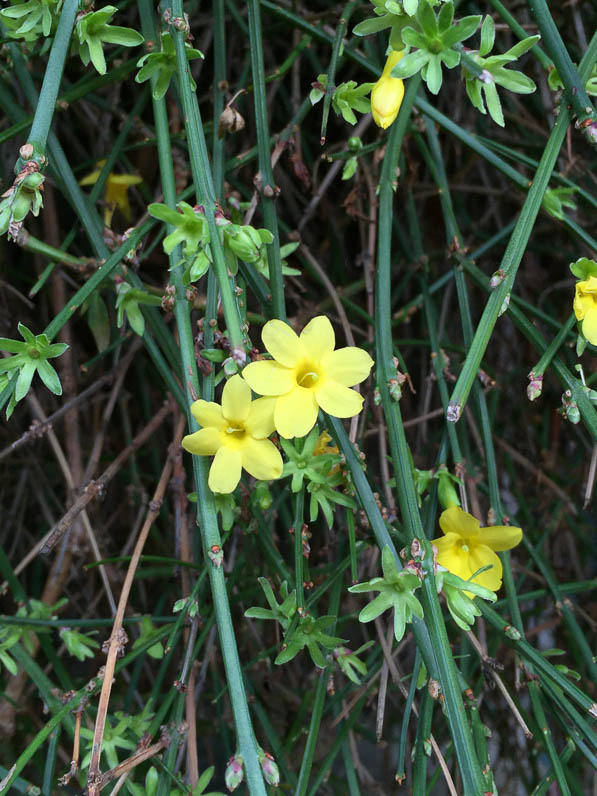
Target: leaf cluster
(162, 65)
(396, 590)
(29, 357)
(93, 30)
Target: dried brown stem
(118, 637)
(94, 488)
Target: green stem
(407, 496)
(266, 184)
(574, 86)
(204, 187)
(298, 548)
(206, 510)
(46, 105)
(514, 251)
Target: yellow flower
(387, 93)
(322, 445)
(306, 374)
(585, 307)
(115, 191)
(236, 432)
(465, 547)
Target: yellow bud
(387, 93)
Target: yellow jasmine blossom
(307, 374)
(236, 432)
(465, 547)
(387, 94)
(115, 191)
(322, 446)
(585, 307)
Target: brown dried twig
(118, 636)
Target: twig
(118, 637)
(38, 429)
(537, 472)
(498, 681)
(95, 488)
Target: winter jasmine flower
(465, 547)
(115, 191)
(387, 93)
(585, 307)
(307, 374)
(236, 433)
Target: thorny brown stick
(95, 488)
(118, 637)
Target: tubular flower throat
(465, 547)
(236, 432)
(307, 374)
(585, 307)
(115, 191)
(387, 94)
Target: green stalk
(46, 105)
(508, 267)
(298, 548)
(514, 251)
(574, 86)
(331, 73)
(206, 510)
(407, 496)
(266, 184)
(204, 187)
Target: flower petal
(451, 556)
(589, 326)
(260, 422)
(267, 377)
(480, 556)
(204, 442)
(261, 459)
(282, 342)
(224, 473)
(337, 400)
(236, 399)
(295, 413)
(318, 338)
(500, 537)
(347, 366)
(455, 520)
(208, 414)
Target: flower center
(464, 548)
(236, 433)
(307, 376)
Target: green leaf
(494, 106)
(99, 321)
(49, 377)
(259, 613)
(96, 54)
(487, 36)
(461, 30)
(426, 19)
(521, 47)
(583, 268)
(411, 64)
(433, 75)
(372, 25)
(24, 380)
(114, 34)
(376, 607)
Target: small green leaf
(49, 377)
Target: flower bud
(446, 491)
(270, 770)
(387, 93)
(234, 773)
(535, 385)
